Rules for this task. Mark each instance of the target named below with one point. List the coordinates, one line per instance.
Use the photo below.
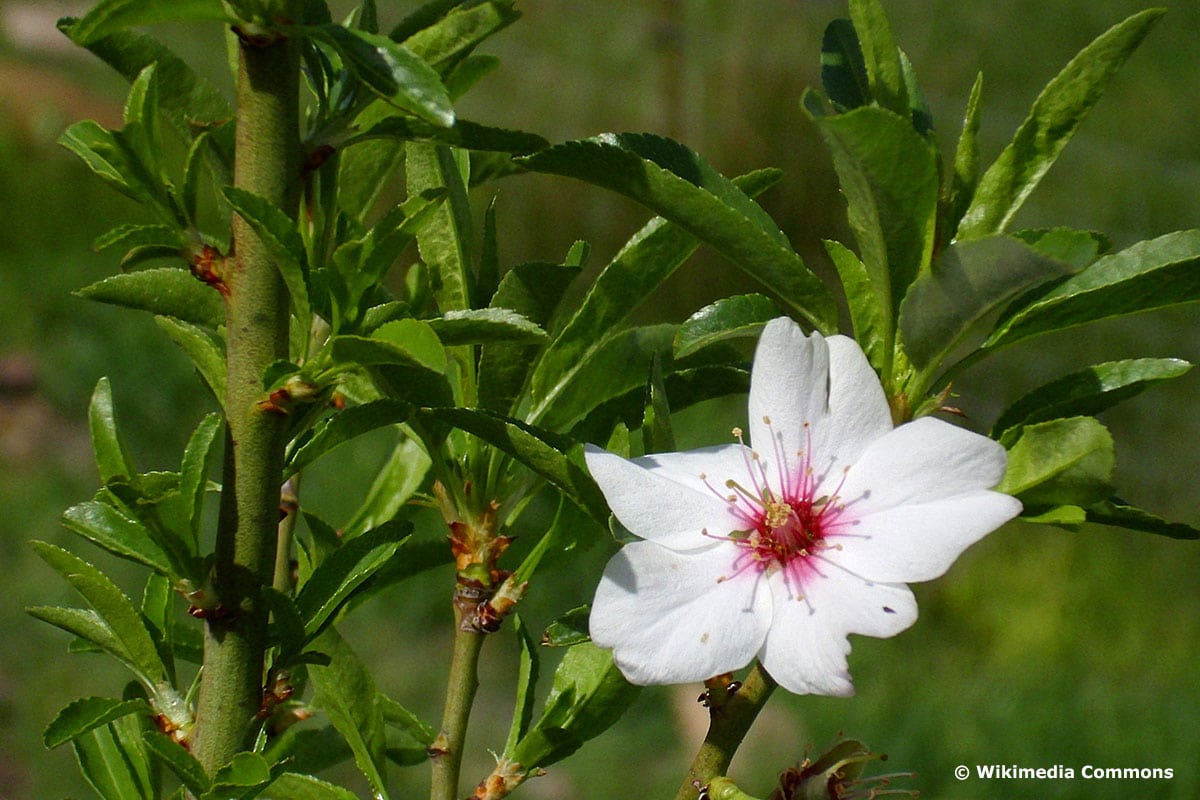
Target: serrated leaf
(448, 40)
(589, 694)
(485, 326)
(129, 236)
(527, 678)
(568, 630)
(400, 718)
(188, 101)
(678, 184)
(115, 763)
(889, 175)
(182, 763)
(966, 165)
(393, 486)
(170, 292)
(345, 425)
(278, 233)
(407, 359)
(463, 133)
(346, 693)
(969, 281)
(1054, 118)
(617, 365)
(117, 533)
(87, 713)
(868, 317)
(1060, 462)
(391, 70)
(206, 349)
(107, 155)
(347, 568)
(294, 786)
(1089, 391)
(735, 317)
(1150, 274)
(534, 291)
(543, 452)
(1117, 513)
(110, 16)
(881, 57)
(116, 610)
(245, 771)
(1077, 249)
(199, 457)
(445, 242)
(112, 456)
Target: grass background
(1040, 647)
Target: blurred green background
(1040, 647)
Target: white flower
(780, 551)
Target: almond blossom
(778, 546)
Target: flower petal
(658, 499)
(921, 461)
(806, 648)
(919, 542)
(669, 618)
(789, 384)
(858, 408)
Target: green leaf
(444, 243)
(400, 718)
(544, 452)
(206, 349)
(112, 457)
(969, 281)
(167, 291)
(245, 776)
(114, 761)
(399, 479)
(870, 318)
(533, 291)
(131, 236)
(111, 16)
(391, 70)
(110, 157)
(741, 316)
(527, 678)
(1117, 513)
(889, 175)
(966, 165)
(658, 436)
(843, 71)
(617, 365)
(485, 326)
(347, 568)
(679, 185)
(464, 134)
(345, 425)
(589, 694)
(409, 360)
(119, 616)
(885, 73)
(346, 693)
(86, 714)
(199, 458)
(293, 786)
(278, 233)
(448, 40)
(568, 630)
(1075, 248)
(1089, 391)
(1054, 118)
(1060, 462)
(1151, 274)
(182, 763)
(117, 533)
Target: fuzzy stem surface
(266, 163)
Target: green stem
(728, 725)
(460, 695)
(266, 163)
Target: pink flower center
(783, 525)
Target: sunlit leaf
(170, 292)
(1060, 462)
(741, 316)
(87, 713)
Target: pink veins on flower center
(782, 525)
